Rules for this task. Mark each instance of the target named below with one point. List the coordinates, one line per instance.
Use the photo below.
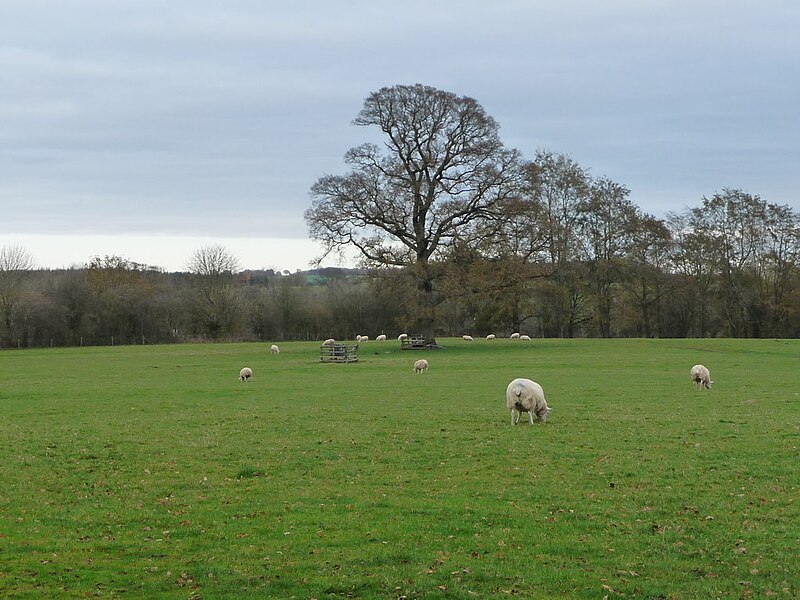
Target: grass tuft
(249, 472)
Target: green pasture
(153, 472)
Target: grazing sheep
(490, 337)
(467, 338)
(402, 336)
(245, 374)
(274, 349)
(701, 377)
(524, 395)
(421, 365)
(525, 338)
(381, 338)
(362, 338)
(329, 342)
(514, 336)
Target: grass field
(152, 472)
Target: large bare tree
(442, 168)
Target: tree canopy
(441, 169)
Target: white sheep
(329, 342)
(524, 395)
(402, 336)
(701, 377)
(525, 338)
(381, 338)
(274, 349)
(467, 338)
(490, 337)
(421, 365)
(245, 374)
(362, 338)
(515, 336)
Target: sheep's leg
(530, 417)
(513, 420)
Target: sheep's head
(708, 384)
(543, 415)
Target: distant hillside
(325, 274)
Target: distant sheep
(421, 365)
(514, 336)
(402, 336)
(525, 338)
(381, 338)
(274, 349)
(524, 395)
(362, 338)
(701, 377)
(490, 337)
(245, 374)
(467, 338)
(329, 342)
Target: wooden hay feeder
(338, 353)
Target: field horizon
(153, 472)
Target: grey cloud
(170, 116)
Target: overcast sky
(147, 128)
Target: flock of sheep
(522, 395)
(491, 336)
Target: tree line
(457, 234)
(580, 264)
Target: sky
(148, 129)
